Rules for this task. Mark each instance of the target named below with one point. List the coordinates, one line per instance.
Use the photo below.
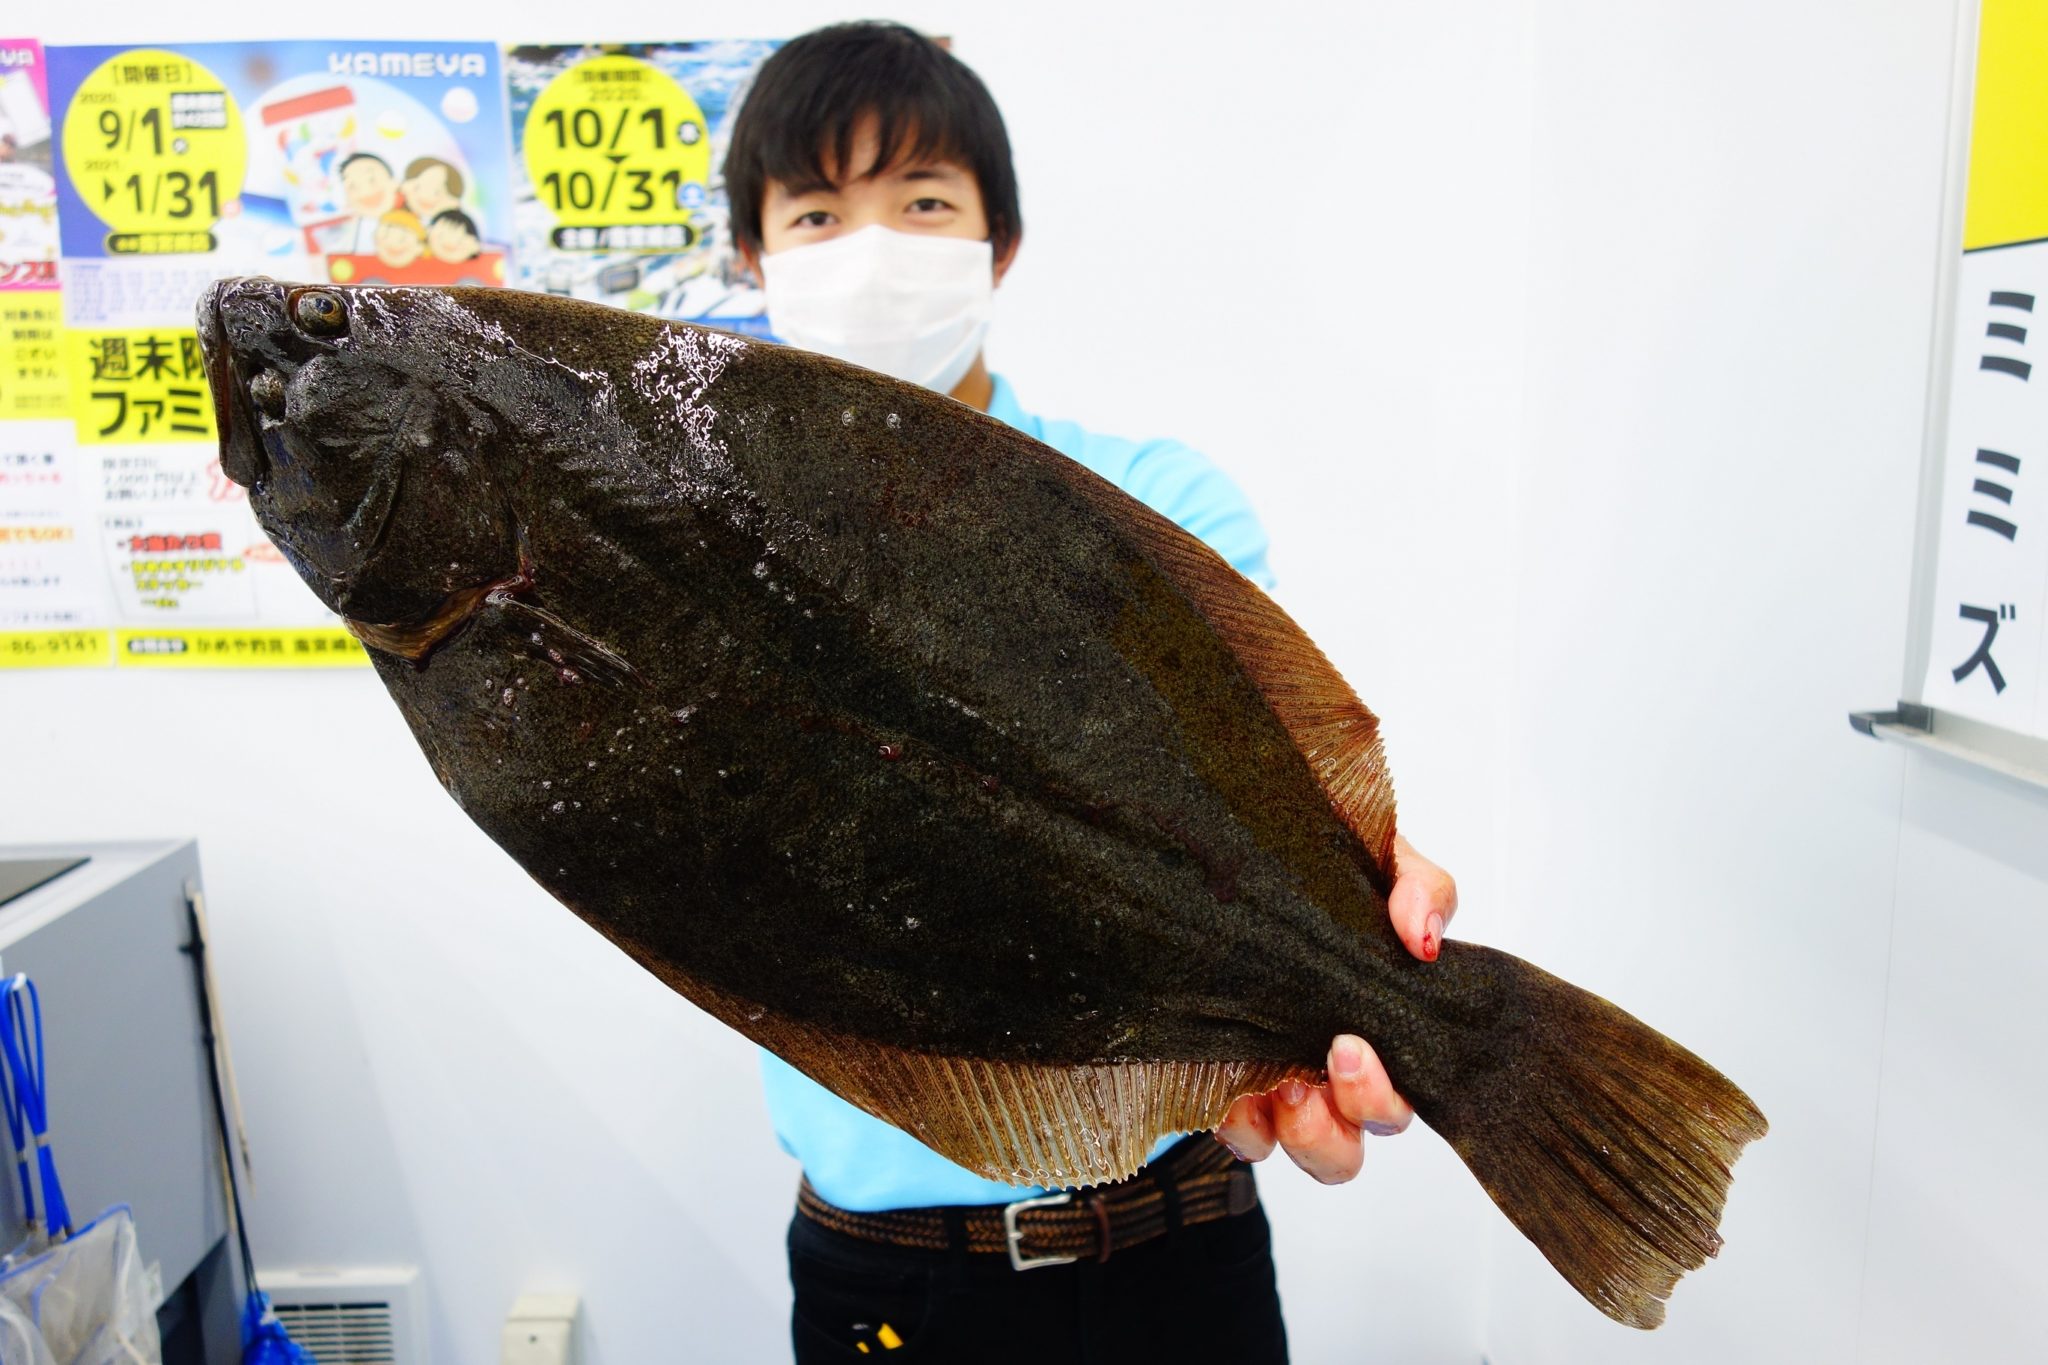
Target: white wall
(1290, 235)
(1732, 262)
(1953, 1267)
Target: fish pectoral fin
(1335, 733)
(564, 646)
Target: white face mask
(907, 304)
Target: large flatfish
(917, 753)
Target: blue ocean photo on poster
(350, 161)
(616, 157)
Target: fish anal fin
(1336, 734)
(1020, 1123)
(1030, 1123)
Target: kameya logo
(423, 64)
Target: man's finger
(1360, 1091)
(1316, 1137)
(1423, 901)
(1247, 1130)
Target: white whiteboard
(1976, 677)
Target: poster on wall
(132, 175)
(53, 597)
(28, 190)
(618, 199)
(1989, 630)
(355, 162)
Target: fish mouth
(251, 354)
(242, 457)
(339, 437)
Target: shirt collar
(1002, 402)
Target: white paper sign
(1990, 623)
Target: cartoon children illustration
(400, 239)
(452, 237)
(371, 192)
(431, 187)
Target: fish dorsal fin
(1331, 727)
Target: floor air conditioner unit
(361, 1315)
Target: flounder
(917, 753)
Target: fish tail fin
(1606, 1143)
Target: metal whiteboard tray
(2017, 756)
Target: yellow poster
(238, 647)
(55, 648)
(139, 384)
(2008, 196)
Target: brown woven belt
(1195, 1182)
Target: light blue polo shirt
(853, 1159)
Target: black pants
(1200, 1294)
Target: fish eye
(320, 312)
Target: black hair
(459, 218)
(810, 95)
(349, 161)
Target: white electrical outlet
(540, 1330)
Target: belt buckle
(1014, 1235)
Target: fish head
(373, 428)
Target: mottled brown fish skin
(832, 695)
(897, 744)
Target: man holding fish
(770, 668)
(873, 192)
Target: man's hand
(1320, 1126)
